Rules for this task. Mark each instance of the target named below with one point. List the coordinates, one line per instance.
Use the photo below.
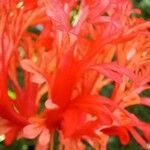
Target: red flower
(78, 48)
(14, 110)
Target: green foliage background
(144, 5)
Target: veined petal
(138, 138)
(44, 137)
(31, 131)
(96, 8)
(29, 66)
(145, 101)
(73, 117)
(66, 76)
(120, 131)
(11, 135)
(55, 10)
(116, 72)
(95, 105)
(50, 105)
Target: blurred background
(144, 5)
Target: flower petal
(32, 131)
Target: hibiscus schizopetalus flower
(70, 50)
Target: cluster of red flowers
(77, 48)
